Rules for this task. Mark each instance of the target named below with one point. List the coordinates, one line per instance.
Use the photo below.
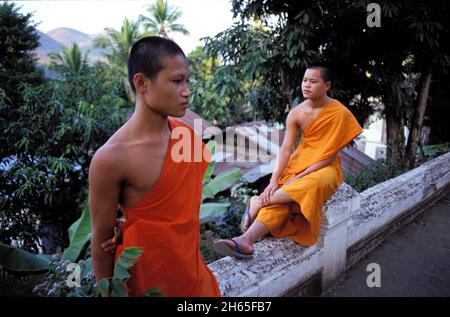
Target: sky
(201, 17)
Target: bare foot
(255, 206)
(245, 246)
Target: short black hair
(325, 71)
(147, 55)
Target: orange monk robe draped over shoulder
(333, 128)
(165, 224)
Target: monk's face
(168, 93)
(313, 84)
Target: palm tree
(69, 62)
(119, 44)
(162, 19)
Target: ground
(19, 284)
(414, 261)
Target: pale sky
(200, 17)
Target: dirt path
(414, 261)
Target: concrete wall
(351, 223)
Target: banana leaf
(79, 233)
(18, 260)
(209, 171)
(221, 182)
(212, 210)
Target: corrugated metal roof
(190, 117)
(351, 158)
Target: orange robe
(165, 224)
(333, 128)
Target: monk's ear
(140, 82)
(327, 85)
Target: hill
(54, 40)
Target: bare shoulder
(103, 163)
(108, 159)
(300, 111)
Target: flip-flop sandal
(248, 215)
(223, 249)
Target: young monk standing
(139, 170)
(291, 205)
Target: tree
(49, 132)
(438, 112)
(269, 49)
(265, 54)
(53, 137)
(71, 66)
(69, 63)
(162, 19)
(401, 75)
(18, 40)
(429, 25)
(119, 44)
(204, 100)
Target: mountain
(46, 45)
(68, 36)
(55, 39)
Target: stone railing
(353, 224)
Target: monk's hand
(268, 192)
(111, 244)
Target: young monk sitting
(139, 169)
(291, 205)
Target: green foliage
(59, 267)
(18, 260)
(265, 53)
(224, 225)
(119, 42)
(263, 59)
(212, 165)
(119, 45)
(243, 192)
(69, 63)
(204, 99)
(378, 172)
(429, 152)
(221, 182)
(51, 137)
(79, 235)
(162, 19)
(55, 284)
(116, 286)
(18, 39)
(212, 186)
(212, 210)
(232, 82)
(382, 170)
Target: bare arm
(321, 164)
(282, 157)
(104, 190)
(313, 168)
(286, 147)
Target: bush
(56, 280)
(52, 136)
(377, 172)
(225, 225)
